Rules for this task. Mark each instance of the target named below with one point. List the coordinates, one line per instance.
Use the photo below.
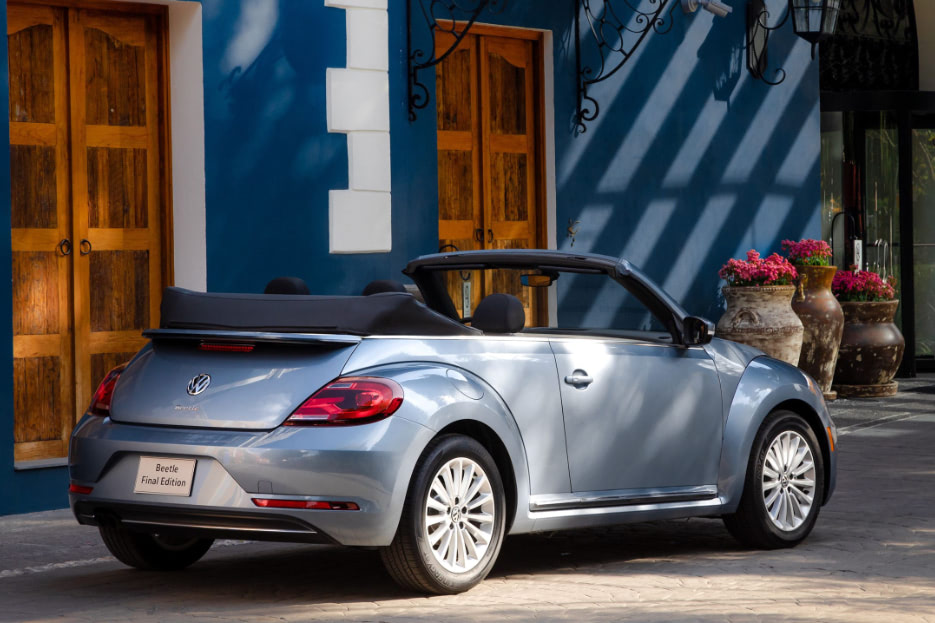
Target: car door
(638, 414)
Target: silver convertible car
(516, 391)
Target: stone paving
(870, 558)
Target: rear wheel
(452, 524)
(784, 485)
(154, 552)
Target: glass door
(923, 238)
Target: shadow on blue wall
(697, 161)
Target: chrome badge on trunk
(198, 384)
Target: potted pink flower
(818, 310)
(872, 346)
(808, 252)
(759, 311)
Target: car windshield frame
(427, 272)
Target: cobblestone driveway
(871, 558)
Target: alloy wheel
(459, 515)
(788, 480)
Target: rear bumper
(201, 522)
(369, 465)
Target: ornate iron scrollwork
(618, 28)
(874, 47)
(454, 17)
(758, 31)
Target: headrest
(499, 313)
(286, 285)
(383, 285)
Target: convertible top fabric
(390, 313)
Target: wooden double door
(490, 156)
(88, 205)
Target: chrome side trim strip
(618, 498)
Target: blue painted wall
(271, 162)
(689, 163)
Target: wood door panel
(32, 80)
(119, 281)
(38, 404)
(453, 91)
(455, 186)
(509, 199)
(37, 304)
(117, 188)
(33, 196)
(507, 95)
(115, 74)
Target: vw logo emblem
(198, 384)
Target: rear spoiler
(252, 336)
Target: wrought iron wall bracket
(618, 28)
(454, 17)
(758, 30)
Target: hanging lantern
(814, 20)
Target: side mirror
(697, 331)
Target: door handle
(579, 378)
(479, 234)
(489, 235)
(65, 246)
(81, 246)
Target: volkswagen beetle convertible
(531, 391)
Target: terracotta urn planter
(762, 317)
(871, 350)
(823, 320)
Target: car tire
(153, 552)
(784, 485)
(446, 546)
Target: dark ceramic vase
(871, 350)
(823, 320)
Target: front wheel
(784, 485)
(153, 552)
(452, 523)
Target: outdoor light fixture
(813, 20)
(711, 6)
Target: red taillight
(226, 348)
(100, 403)
(73, 488)
(306, 504)
(349, 400)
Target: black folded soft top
(390, 313)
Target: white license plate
(165, 476)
